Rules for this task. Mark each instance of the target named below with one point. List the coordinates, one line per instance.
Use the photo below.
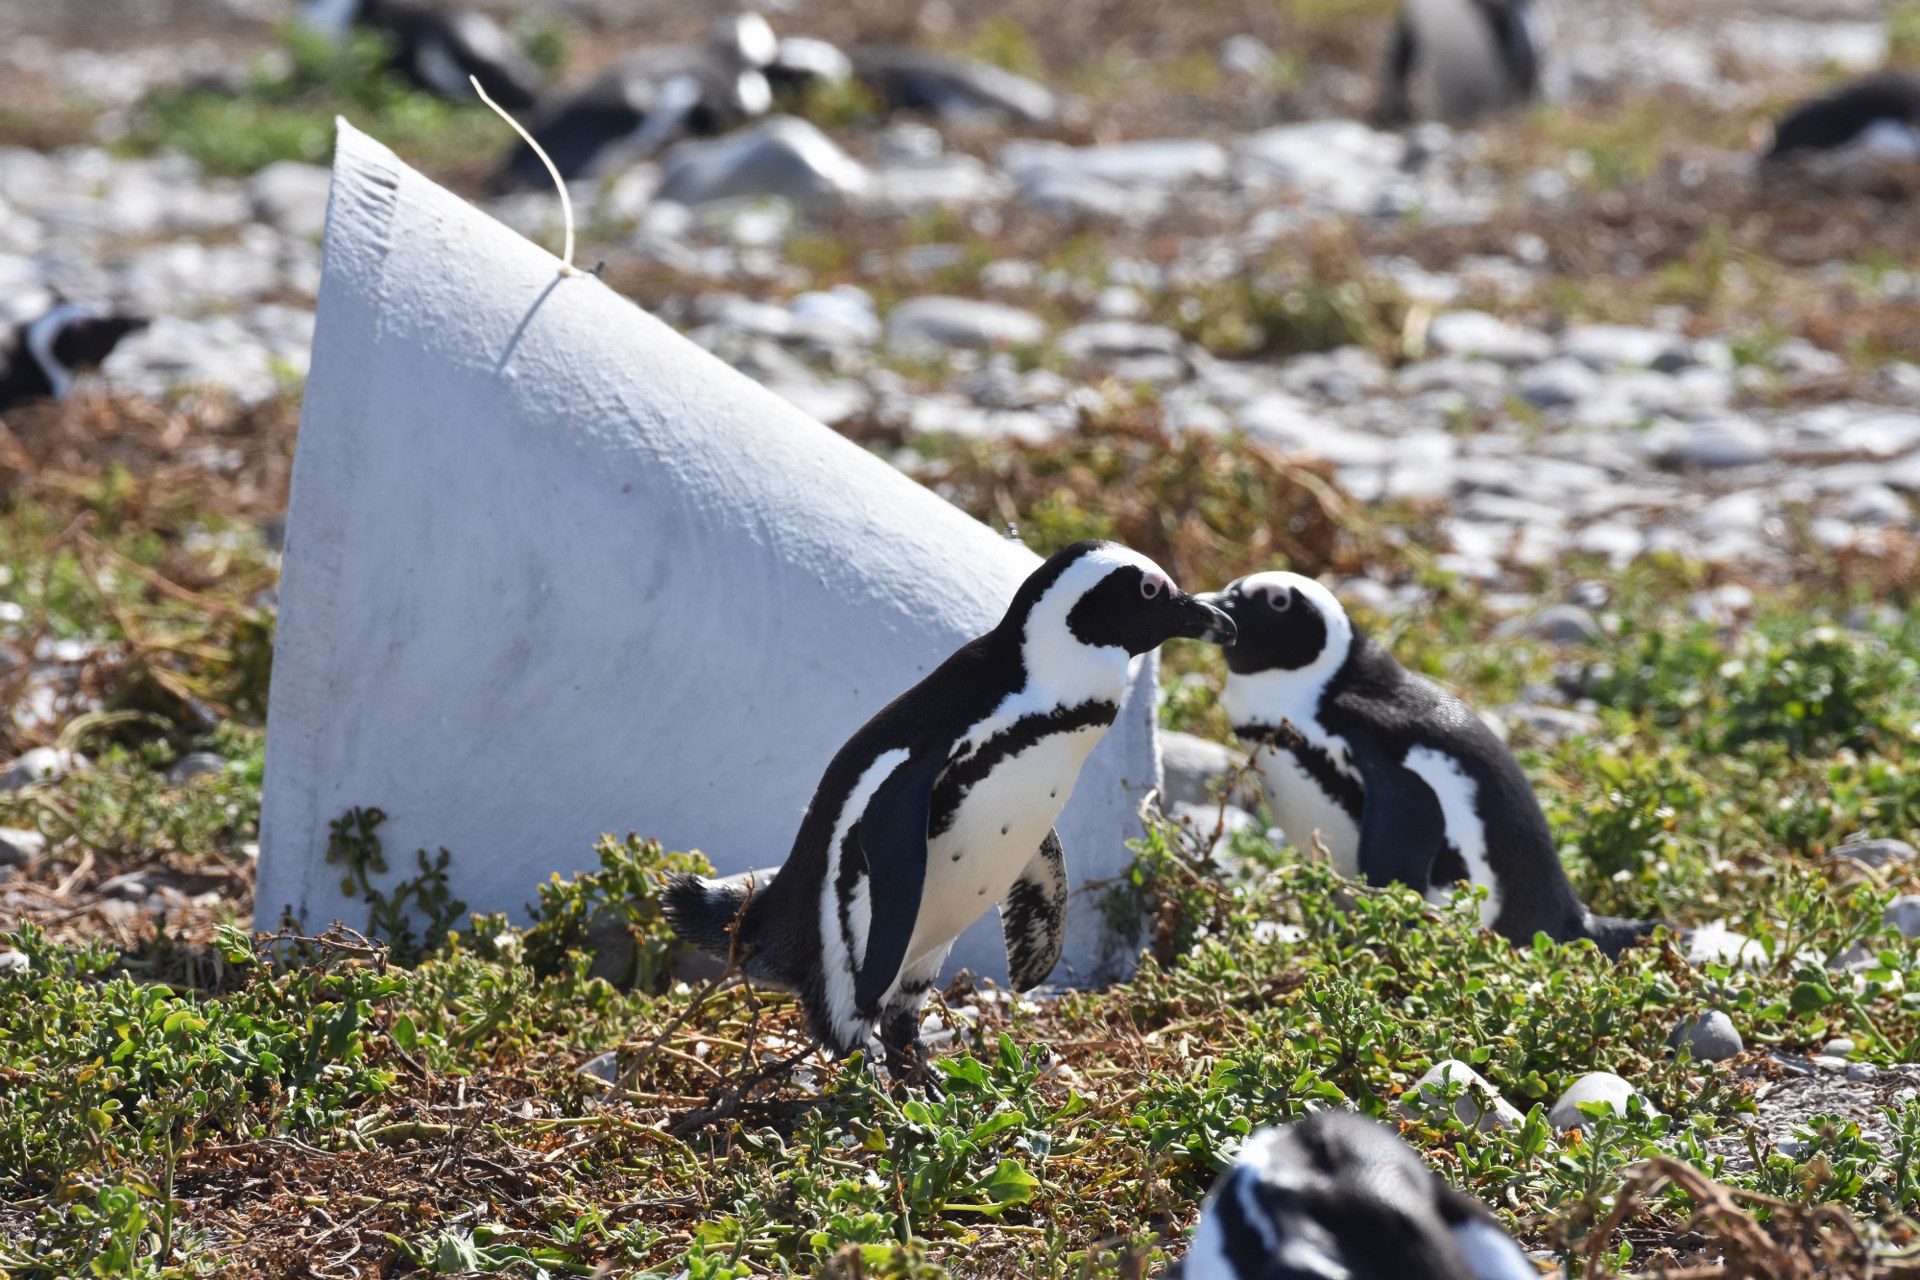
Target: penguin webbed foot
(906, 1056)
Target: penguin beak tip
(1215, 624)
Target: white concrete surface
(552, 570)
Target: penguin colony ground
(1401, 780)
(944, 804)
(1336, 1194)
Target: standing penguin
(1878, 115)
(944, 803)
(1404, 783)
(1455, 60)
(1336, 1194)
(44, 356)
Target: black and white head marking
(71, 337)
(1874, 117)
(1294, 638)
(1336, 1196)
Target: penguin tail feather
(709, 914)
(1612, 934)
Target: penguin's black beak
(1202, 618)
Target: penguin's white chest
(1458, 59)
(1302, 806)
(995, 833)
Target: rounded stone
(1597, 1086)
(42, 764)
(611, 943)
(195, 764)
(1711, 1036)
(1191, 767)
(962, 322)
(14, 962)
(1428, 1091)
(1903, 913)
(1875, 853)
(18, 847)
(1563, 624)
(1839, 1047)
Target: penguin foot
(907, 1058)
(911, 1067)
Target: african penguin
(1404, 783)
(44, 356)
(1335, 1196)
(651, 98)
(944, 803)
(1455, 60)
(1875, 116)
(906, 78)
(437, 49)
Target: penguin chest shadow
(994, 832)
(1298, 793)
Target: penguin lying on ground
(437, 49)
(651, 98)
(1404, 783)
(1877, 115)
(1338, 1195)
(44, 356)
(944, 803)
(1457, 59)
(905, 78)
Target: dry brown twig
(1797, 1242)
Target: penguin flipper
(1513, 31)
(1033, 916)
(893, 835)
(1401, 829)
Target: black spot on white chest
(1004, 748)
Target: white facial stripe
(1457, 793)
(44, 332)
(1491, 1253)
(1062, 671)
(841, 964)
(1265, 696)
(753, 40)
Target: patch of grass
(1325, 299)
(1903, 34)
(286, 113)
(1002, 41)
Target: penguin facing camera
(43, 357)
(943, 804)
(1877, 116)
(437, 49)
(1458, 60)
(1403, 782)
(1338, 1195)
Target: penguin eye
(1280, 600)
(1151, 585)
